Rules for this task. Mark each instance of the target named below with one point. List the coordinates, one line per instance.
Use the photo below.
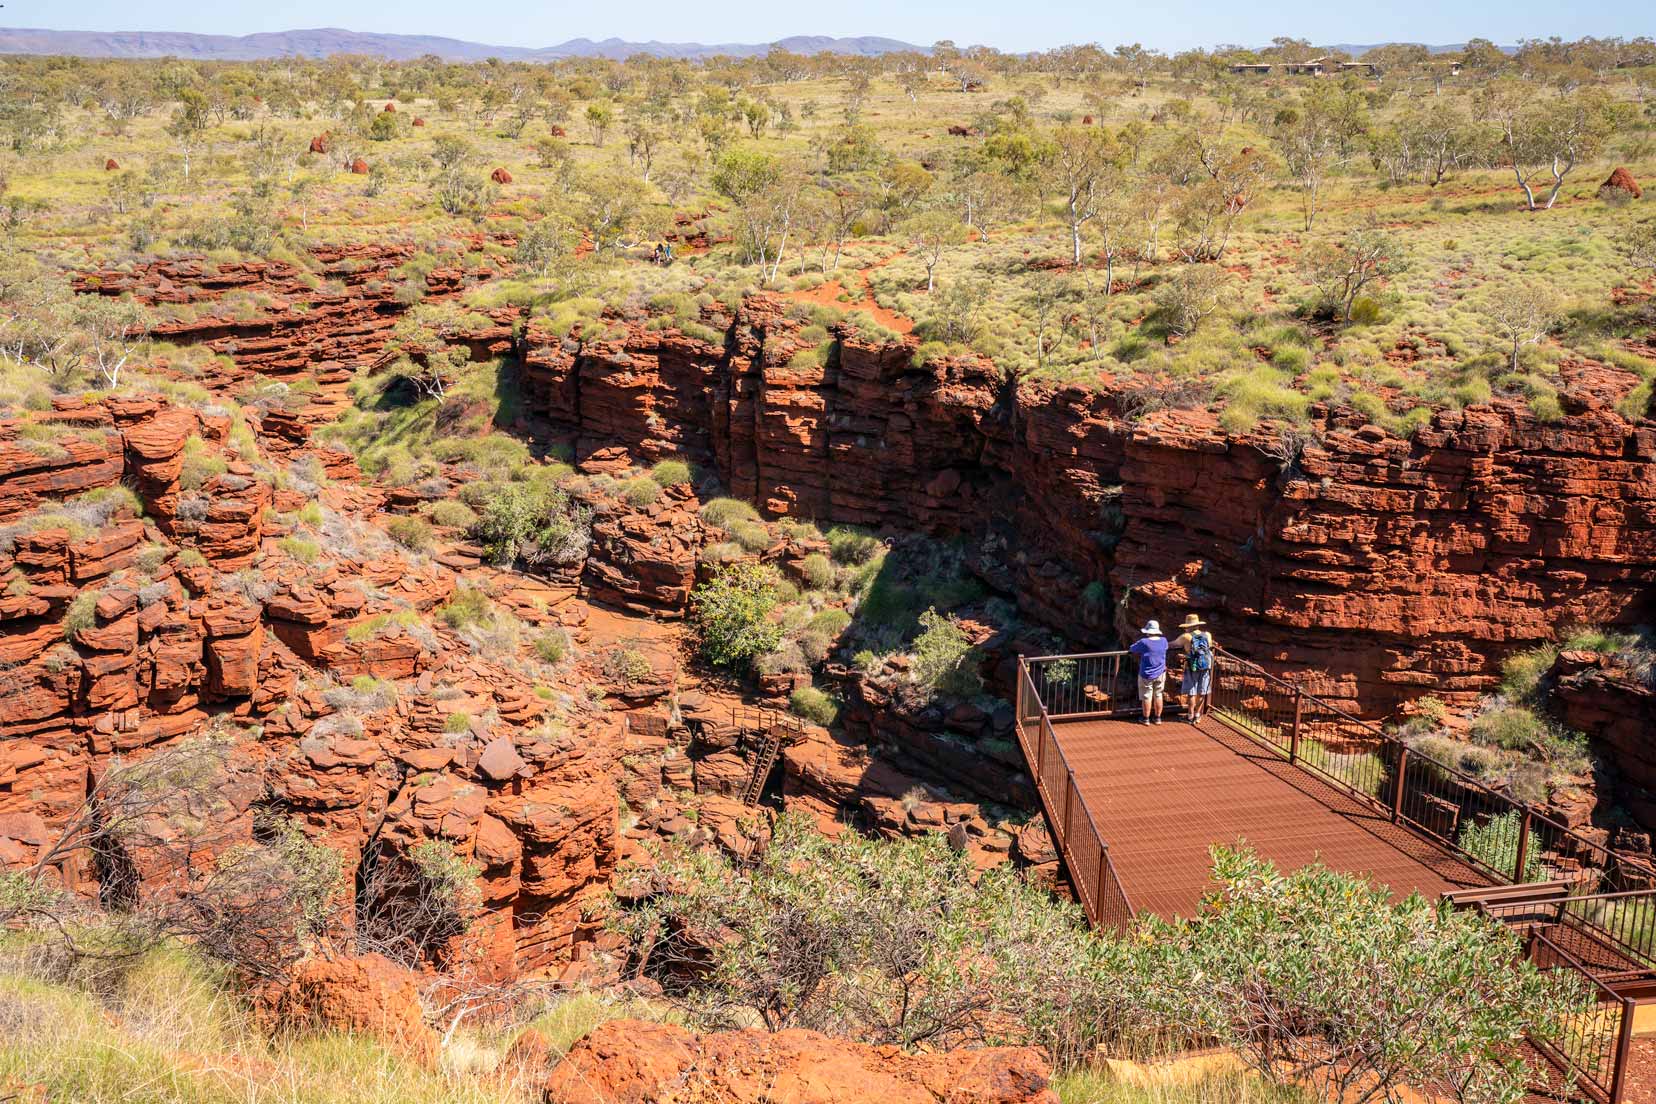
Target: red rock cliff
(1379, 567)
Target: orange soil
(828, 294)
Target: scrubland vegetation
(1401, 239)
(1429, 235)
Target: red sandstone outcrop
(320, 143)
(111, 165)
(359, 167)
(199, 610)
(633, 1062)
(325, 332)
(501, 176)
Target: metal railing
(1498, 834)
(1592, 1048)
(1085, 852)
(1613, 935)
(1608, 939)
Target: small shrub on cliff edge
(944, 657)
(731, 616)
(670, 473)
(81, 614)
(411, 532)
(813, 705)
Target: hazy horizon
(1173, 25)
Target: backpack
(1201, 651)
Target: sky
(1005, 24)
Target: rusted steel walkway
(1162, 795)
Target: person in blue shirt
(1151, 650)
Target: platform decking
(1162, 795)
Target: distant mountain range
(323, 41)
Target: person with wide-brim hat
(1151, 651)
(1196, 684)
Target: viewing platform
(1135, 810)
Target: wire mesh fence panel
(1085, 685)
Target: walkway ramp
(1163, 795)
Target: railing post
(1523, 848)
(1069, 788)
(1624, 1043)
(1402, 780)
(1040, 751)
(1018, 698)
(1098, 887)
(1294, 736)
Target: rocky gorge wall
(133, 623)
(1374, 567)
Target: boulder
(359, 167)
(390, 109)
(355, 995)
(419, 122)
(110, 164)
(632, 1062)
(500, 760)
(319, 144)
(1620, 182)
(501, 176)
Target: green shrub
(627, 667)
(1546, 407)
(1365, 310)
(81, 614)
(411, 532)
(641, 492)
(851, 546)
(456, 723)
(751, 535)
(468, 608)
(451, 514)
(1306, 947)
(200, 465)
(670, 473)
(944, 659)
(1521, 673)
(813, 705)
(817, 570)
(305, 551)
(551, 646)
(731, 615)
(721, 512)
(1513, 728)
(535, 522)
(1494, 843)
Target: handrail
(1119, 910)
(1607, 858)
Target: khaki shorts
(1150, 689)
